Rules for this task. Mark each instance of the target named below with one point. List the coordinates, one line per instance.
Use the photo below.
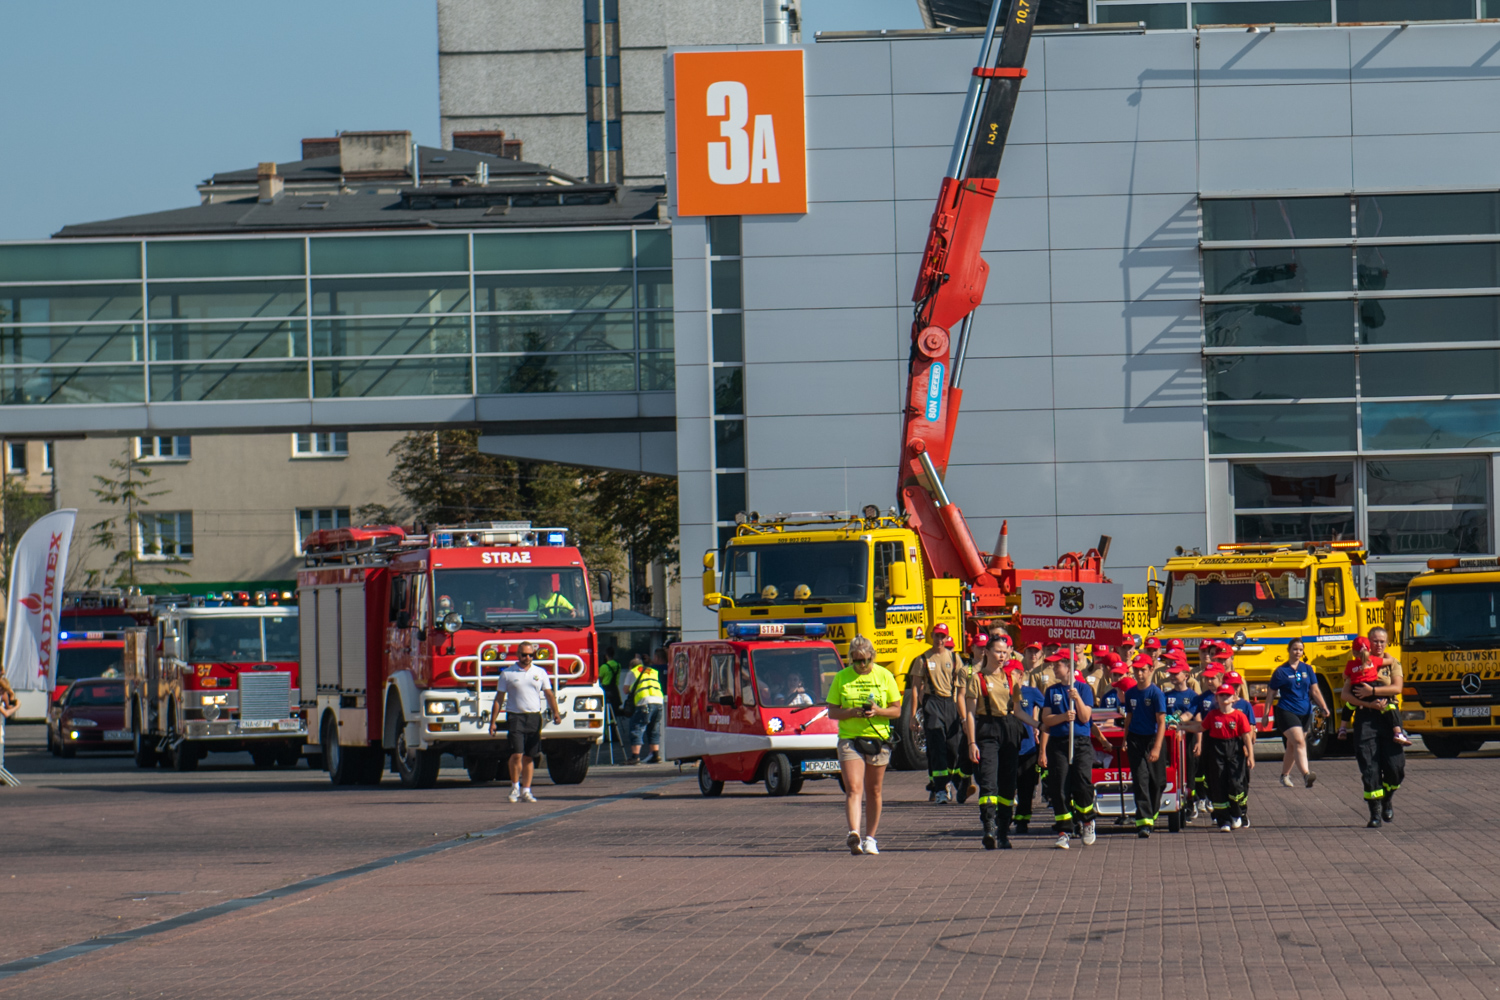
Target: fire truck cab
(1450, 654)
(750, 707)
(404, 637)
(90, 643)
(215, 673)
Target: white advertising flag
(36, 589)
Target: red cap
(1177, 668)
(1174, 643)
(1213, 670)
(1125, 683)
(1120, 670)
(1100, 650)
(1153, 643)
(1233, 678)
(1175, 655)
(1112, 658)
(1220, 653)
(947, 642)
(1361, 643)
(1224, 689)
(1033, 645)
(941, 628)
(1058, 657)
(1014, 666)
(1141, 662)
(981, 640)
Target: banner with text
(1063, 612)
(36, 589)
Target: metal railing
(478, 668)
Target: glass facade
(375, 315)
(1206, 13)
(726, 314)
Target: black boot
(1002, 825)
(987, 820)
(963, 788)
(1388, 811)
(1374, 815)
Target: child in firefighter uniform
(933, 676)
(1228, 757)
(995, 725)
(1070, 783)
(1145, 730)
(1182, 705)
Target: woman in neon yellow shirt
(863, 698)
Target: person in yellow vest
(645, 695)
(550, 604)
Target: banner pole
(1072, 679)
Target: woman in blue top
(1295, 688)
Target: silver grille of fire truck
(265, 696)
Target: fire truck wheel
(482, 770)
(911, 741)
(797, 782)
(707, 785)
(1444, 746)
(145, 749)
(778, 774)
(415, 767)
(185, 757)
(567, 764)
(338, 760)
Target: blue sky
(117, 107)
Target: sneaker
(526, 795)
(1062, 842)
(1236, 823)
(1089, 834)
(853, 841)
(515, 793)
(869, 846)
(1225, 828)
(1401, 738)
(942, 798)
(1286, 779)
(1343, 732)
(1308, 779)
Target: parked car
(89, 716)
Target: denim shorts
(646, 717)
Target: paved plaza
(639, 887)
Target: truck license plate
(1471, 712)
(117, 734)
(820, 767)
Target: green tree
(642, 513)
(21, 511)
(128, 491)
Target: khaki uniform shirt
(991, 693)
(940, 669)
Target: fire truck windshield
(225, 639)
(512, 594)
(74, 662)
(1453, 616)
(798, 573)
(282, 641)
(792, 677)
(1237, 595)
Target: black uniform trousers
(1070, 787)
(999, 738)
(1026, 781)
(1228, 778)
(945, 741)
(1148, 779)
(1382, 761)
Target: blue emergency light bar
(557, 538)
(775, 630)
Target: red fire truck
(215, 674)
(90, 643)
(404, 637)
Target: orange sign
(741, 133)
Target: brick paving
(674, 895)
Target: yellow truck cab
(1259, 597)
(859, 574)
(1450, 652)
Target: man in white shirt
(521, 689)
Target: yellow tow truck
(1259, 597)
(1451, 654)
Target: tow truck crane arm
(950, 286)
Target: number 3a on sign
(741, 133)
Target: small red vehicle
(750, 707)
(90, 715)
(1112, 795)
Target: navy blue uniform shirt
(1030, 701)
(1143, 703)
(1058, 703)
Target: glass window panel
(69, 303)
(525, 292)
(72, 385)
(1293, 527)
(209, 341)
(1419, 532)
(656, 330)
(558, 373)
(591, 11)
(551, 251)
(611, 71)
(655, 289)
(1355, 11)
(1277, 324)
(259, 380)
(20, 345)
(1491, 9)
(729, 390)
(725, 287)
(731, 494)
(67, 261)
(1293, 484)
(374, 296)
(1255, 272)
(427, 377)
(658, 371)
(1416, 321)
(1275, 218)
(1404, 481)
(1455, 423)
(729, 337)
(227, 300)
(578, 332)
(729, 444)
(597, 135)
(1437, 265)
(1469, 213)
(382, 254)
(1430, 373)
(1267, 12)
(1281, 427)
(223, 258)
(1156, 15)
(653, 248)
(724, 235)
(1280, 376)
(406, 335)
